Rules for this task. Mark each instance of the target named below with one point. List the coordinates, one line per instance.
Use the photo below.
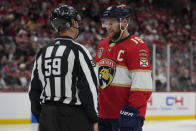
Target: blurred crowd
(24, 29)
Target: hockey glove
(129, 121)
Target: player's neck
(125, 34)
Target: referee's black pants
(61, 117)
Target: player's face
(112, 27)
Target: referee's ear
(74, 24)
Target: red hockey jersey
(124, 73)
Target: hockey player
(124, 73)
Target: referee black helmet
(61, 17)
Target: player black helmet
(61, 17)
(118, 11)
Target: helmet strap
(121, 31)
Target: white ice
(179, 125)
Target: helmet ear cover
(61, 18)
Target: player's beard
(116, 35)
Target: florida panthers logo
(107, 69)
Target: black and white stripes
(66, 74)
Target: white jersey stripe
(137, 79)
(47, 88)
(68, 77)
(78, 99)
(60, 50)
(124, 76)
(49, 51)
(57, 81)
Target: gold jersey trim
(120, 66)
(129, 86)
(120, 85)
(138, 89)
(139, 70)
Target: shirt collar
(63, 37)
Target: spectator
(175, 85)
(22, 77)
(2, 51)
(3, 61)
(185, 80)
(2, 83)
(10, 79)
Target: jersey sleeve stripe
(86, 70)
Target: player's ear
(124, 23)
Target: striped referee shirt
(64, 72)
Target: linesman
(63, 88)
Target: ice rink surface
(180, 125)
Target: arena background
(168, 27)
